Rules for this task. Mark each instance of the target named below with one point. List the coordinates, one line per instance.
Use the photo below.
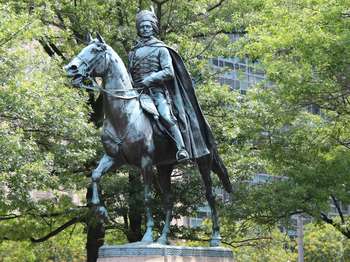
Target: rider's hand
(147, 81)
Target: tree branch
(43, 215)
(326, 219)
(14, 118)
(159, 2)
(336, 203)
(245, 242)
(222, 31)
(58, 230)
(344, 230)
(343, 143)
(205, 48)
(12, 36)
(211, 8)
(9, 217)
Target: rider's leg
(169, 121)
(181, 154)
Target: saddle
(150, 108)
(148, 105)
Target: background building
(238, 73)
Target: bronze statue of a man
(161, 71)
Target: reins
(96, 87)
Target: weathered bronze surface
(128, 136)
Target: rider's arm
(166, 65)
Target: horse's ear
(100, 38)
(88, 38)
(152, 9)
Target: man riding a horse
(161, 72)
(128, 136)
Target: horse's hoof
(103, 213)
(163, 241)
(95, 201)
(147, 238)
(215, 242)
(95, 177)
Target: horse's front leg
(147, 172)
(104, 165)
(164, 173)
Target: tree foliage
(302, 46)
(323, 244)
(49, 143)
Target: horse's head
(90, 62)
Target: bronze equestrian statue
(158, 81)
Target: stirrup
(182, 155)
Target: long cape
(198, 137)
(195, 130)
(197, 134)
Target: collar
(147, 42)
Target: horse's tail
(220, 169)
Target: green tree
(67, 246)
(46, 140)
(277, 247)
(302, 46)
(322, 243)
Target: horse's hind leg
(204, 165)
(164, 173)
(147, 172)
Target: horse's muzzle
(74, 72)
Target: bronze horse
(128, 136)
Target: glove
(148, 80)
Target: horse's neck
(117, 77)
(117, 82)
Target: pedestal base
(140, 252)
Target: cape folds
(197, 135)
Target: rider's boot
(182, 153)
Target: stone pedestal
(140, 252)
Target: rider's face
(146, 29)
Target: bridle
(93, 85)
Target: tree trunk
(95, 239)
(135, 207)
(95, 229)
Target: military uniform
(161, 72)
(151, 60)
